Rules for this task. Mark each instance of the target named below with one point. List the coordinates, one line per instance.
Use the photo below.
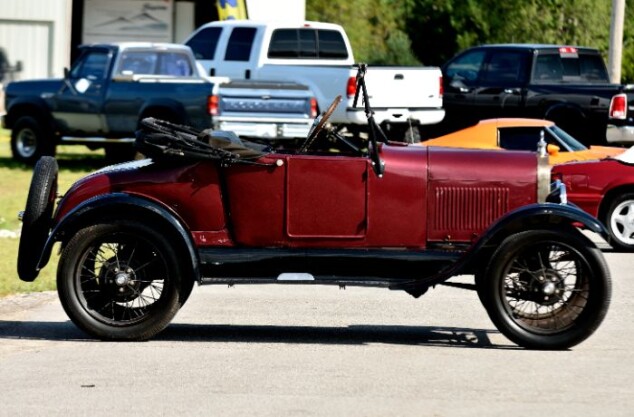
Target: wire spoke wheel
(119, 281)
(546, 290)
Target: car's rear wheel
(620, 222)
(546, 290)
(37, 216)
(120, 281)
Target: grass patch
(15, 179)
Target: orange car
(523, 134)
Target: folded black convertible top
(159, 139)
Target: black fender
(553, 108)
(28, 106)
(164, 107)
(548, 216)
(124, 206)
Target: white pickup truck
(319, 56)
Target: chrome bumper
(619, 134)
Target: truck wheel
(36, 220)
(119, 281)
(546, 290)
(620, 222)
(29, 141)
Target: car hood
(593, 153)
(33, 87)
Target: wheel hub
(26, 143)
(120, 281)
(547, 287)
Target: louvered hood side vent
(468, 209)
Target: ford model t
(209, 208)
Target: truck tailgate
(404, 87)
(264, 109)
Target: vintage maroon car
(605, 189)
(210, 208)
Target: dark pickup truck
(102, 98)
(568, 85)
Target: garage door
(30, 42)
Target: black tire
(619, 220)
(120, 281)
(29, 141)
(546, 290)
(37, 217)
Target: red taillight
(567, 50)
(441, 89)
(212, 105)
(618, 107)
(313, 107)
(351, 88)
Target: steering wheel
(319, 124)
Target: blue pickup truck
(102, 98)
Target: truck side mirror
(18, 66)
(66, 73)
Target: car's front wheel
(546, 290)
(620, 222)
(120, 281)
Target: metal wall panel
(36, 32)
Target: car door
(302, 200)
(500, 92)
(79, 102)
(326, 198)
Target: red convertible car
(605, 189)
(210, 208)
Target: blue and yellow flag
(231, 9)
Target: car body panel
(484, 135)
(588, 183)
(326, 201)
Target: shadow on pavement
(41, 330)
(350, 335)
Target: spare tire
(37, 217)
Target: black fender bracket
(122, 206)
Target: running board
(373, 267)
(361, 281)
(73, 139)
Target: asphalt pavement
(293, 350)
